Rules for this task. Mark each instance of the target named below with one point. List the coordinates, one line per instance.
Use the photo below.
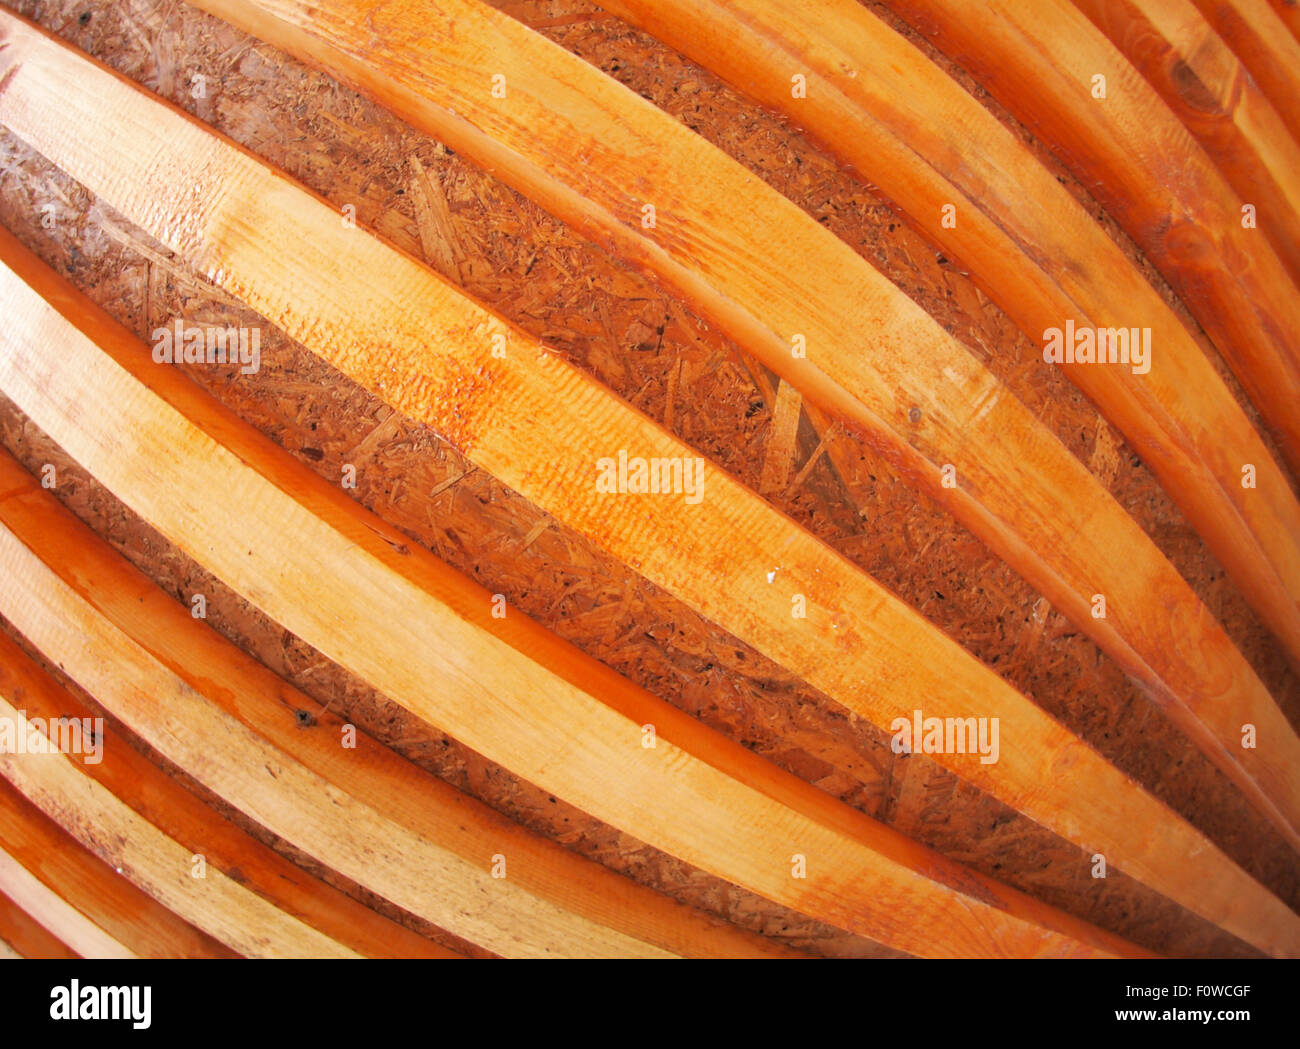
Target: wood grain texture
(28, 937)
(217, 904)
(528, 702)
(1289, 12)
(1179, 54)
(866, 645)
(1143, 165)
(1260, 38)
(58, 917)
(363, 811)
(586, 147)
(252, 899)
(108, 900)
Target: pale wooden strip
(216, 904)
(27, 936)
(414, 822)
(54, 913)
(918, 394)
(877, 652)
(7, 952)
(295, 803)
(424, 633)
(142, 925)
(180, 816)
(979, 192)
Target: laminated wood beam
(1170, 43)
(123, 640)
(135, 818)
(131, 917)
(873, 651)
(1260, 38)
(1138, 160)
(529, 702)
(585, 147)
(26, 936)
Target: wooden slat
(101, 822)
(1289, 12)
(694, 794)
(1200, 79)
(871, 650)
(131, 917)
(1019, 489)
(1139, 161)
(55, 914)
(400, 832)
(1267, 49)
(137, 819)
(28, 937)
(183, 818)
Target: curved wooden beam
(872, 650)
(109, 901)
(1139, 161)
(251, 898)
(27, 937)
(1032, 248)
(1260, 38)
(1289, 12)
(694, 794)
(920, 396)
(219, 905)
(400, 832)
(1206, 85)
(58, 917)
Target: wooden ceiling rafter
(922, 397)
(398, 817)
(1154, 841)
(282, 917)
(1179, 54)
(1137, 159)
(222, 210)
(137, 921)
(1030, 245)
(529, 702)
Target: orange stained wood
(106, 898)
(1139, 161)
(399, 818)
(135, 818)
(1260, 38)
(530, 704)
(585, 147)
(1189, 64)
(27, 937)
(897, 654)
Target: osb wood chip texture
(650, 349)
